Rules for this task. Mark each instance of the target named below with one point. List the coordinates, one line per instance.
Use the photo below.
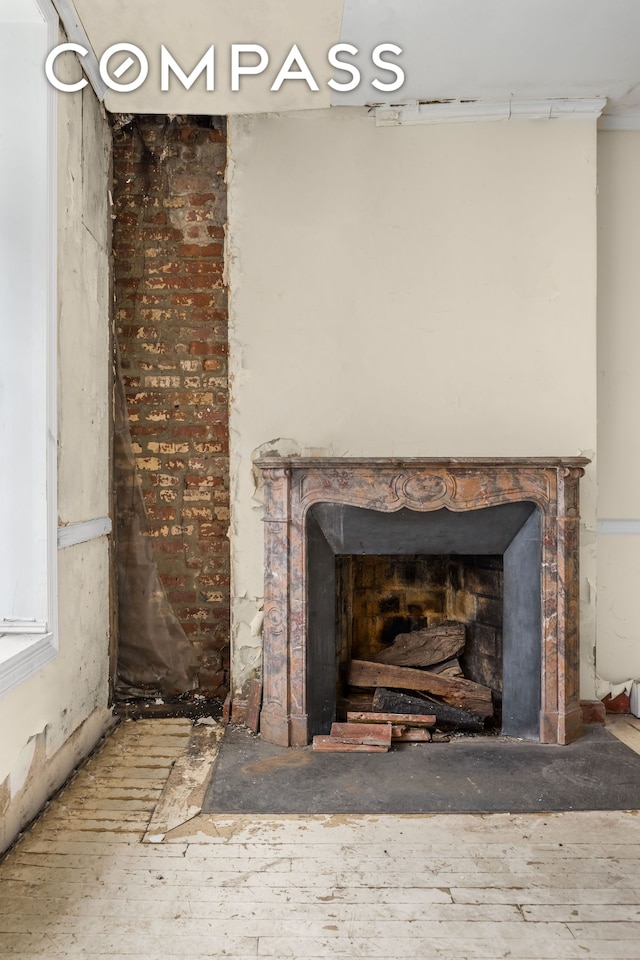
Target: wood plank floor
(82, 882)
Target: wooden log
(406, 719)
(353, 701)
(392, 700)
(458, 693)
(411, 735)
(422, 648)
(338, 745)
(450, 668)
(377, 734)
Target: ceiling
(479, 50)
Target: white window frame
(27, 644)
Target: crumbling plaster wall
(618, 649)
(411, 291)
(51, 720)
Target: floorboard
(84, 881)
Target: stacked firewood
(419, 684)
(374, 732)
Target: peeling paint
(37, 772)
(22, 766)
(257, 622)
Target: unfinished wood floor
(83, 883)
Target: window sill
(22, 655)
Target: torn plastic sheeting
(155, 656)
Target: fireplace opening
(380, 597)
(373, 575)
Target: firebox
(493, 542)
(382, 597)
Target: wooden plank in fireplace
(392, 700)
(423, 648)
(355, 738)
(457, 692)
(405, 719)
(374, 733)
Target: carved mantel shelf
(292, 485)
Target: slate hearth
(526, 510)
(468, 775)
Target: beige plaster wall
(54, 718)
(417, 291)
(618, 619)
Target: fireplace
(521, 514)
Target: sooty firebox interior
(380, 597)
(373, 575)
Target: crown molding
(475, 111)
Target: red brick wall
(171, 311)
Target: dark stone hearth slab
(467, 775)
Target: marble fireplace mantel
(293, 485)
